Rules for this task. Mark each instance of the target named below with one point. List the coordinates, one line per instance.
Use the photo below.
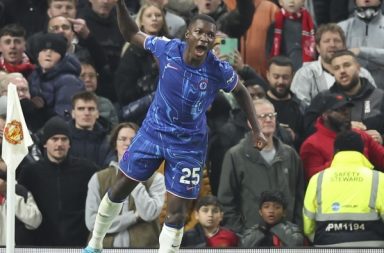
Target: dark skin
(199, 37)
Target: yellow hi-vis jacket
(344, 204)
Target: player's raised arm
(128, 26)
(245, 101)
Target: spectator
(344, 204)
(253, 41)
(246, 172)
(82, 43)
(316, 151)
(290, 110)
(137, 225)
(176, 25)
(12, 48)
(90, 78)
(59, 184)
(368, 101)
(28, 216)
(273, 230)
(137, 74)
(292, 34)
(245, 72)
(314, 77)
(55, 80)
(100, 16)
(363, 34)
(34, 117)
(208, 232)
(89, 138)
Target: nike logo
(170, 66)
(175, 246)
(190, 188)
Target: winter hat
(53, 126)
(348, 141)
(56, 42)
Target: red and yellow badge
(13, 132)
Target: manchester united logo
(13, 132)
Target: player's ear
(187, 34)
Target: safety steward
(344, 204)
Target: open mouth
(201, 50)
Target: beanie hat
(56, 42)
(348, 141)
(53, 126)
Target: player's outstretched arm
(128, 26)
(245, 101)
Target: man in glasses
(246, 172)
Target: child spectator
(56, 79)
(273, 231)
(208, 232)
(292, 34)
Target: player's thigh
(141, 159)
(183, 171)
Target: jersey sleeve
(156, 45)
(230, 77)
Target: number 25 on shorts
(190, 176)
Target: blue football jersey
(177, 114)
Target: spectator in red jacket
(317, 150)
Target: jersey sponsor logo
(13, 132)
(345, 226)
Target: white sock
(108, 210)
(170, 239)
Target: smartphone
(228, 46)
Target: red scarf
(307, 34)
(25, 67)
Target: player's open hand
(259, 140)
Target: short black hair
(343, 52)
(281, 60)
(84, 95)
(273, 196)
(206, 201)
(14, 30)
(202, 17)
(348, 141)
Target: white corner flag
(16, 140)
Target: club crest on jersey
(13, 132)
(203, 85)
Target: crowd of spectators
(313, 68)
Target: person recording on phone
(226, 49)
(290, 110)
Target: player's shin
(170, 239)
(108, 210)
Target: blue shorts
(183, 168)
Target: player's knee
(121, 189)
(176, 219)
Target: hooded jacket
(57, 85)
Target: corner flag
(16, 140)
